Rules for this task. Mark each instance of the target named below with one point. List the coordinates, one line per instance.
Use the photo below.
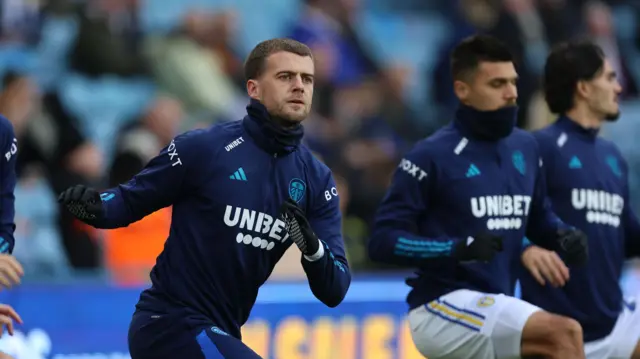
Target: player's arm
(546, 230)
(8, 145)
(327, 268)
(546, 158)
(395, 240)
(160, 184)
(543, 223)
(632, 231)
(629, 220)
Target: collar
(267, 134)
(573, 127)
(490, 126)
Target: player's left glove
(83, 202)
(573, 245)
(299, 229)
(481, 247)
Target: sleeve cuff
(5, 246)
(319, 253)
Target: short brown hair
(255, 63)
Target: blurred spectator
(38, 241)
(143, 139)
(196, 64)
(51, 145)
(19, 21)
(327, 27)
(600, 28)
(109, 39)
(466, 18)
(561, 19)
(369, 149)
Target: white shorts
(623, 338)
(470, 325)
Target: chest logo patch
(297, 188)
(518, 162)
(612, 161)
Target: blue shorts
(172, 335)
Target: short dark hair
(9, 78)
(255, 63)
(470, 52)
(567, 64)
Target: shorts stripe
(451, 314)
(462, 310)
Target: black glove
(299, 229)
(573, 246)
(482, 247)
(83, 202)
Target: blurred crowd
(94, 89)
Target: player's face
(286, 86)
(491, 87)
(603, 92)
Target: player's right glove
(573, 246)
(482, 247)
(83, 202)
(299, 228)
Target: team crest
(486, 301)
(518, 162)
(297, 189)
(612, 161)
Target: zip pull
(275, 155)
